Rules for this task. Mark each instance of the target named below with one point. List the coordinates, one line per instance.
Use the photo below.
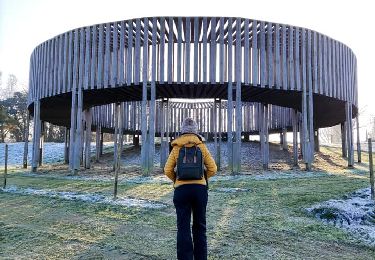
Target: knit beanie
(189, 126)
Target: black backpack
(190, 163)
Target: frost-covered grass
(355, 213)
(247, 218)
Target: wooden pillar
(36, 136)
(343, 140)
(295, 137)
(78, 134)
(66, 145)
(238, 116)
(349, 135)
(41, 143)
(263, 125)
(136, 140)
(164, 146)
(285, 140)
(73, 126)
(117, 144)
(88, 116)
(97, 142)
(359, 159)
(218, 163)
(26, 140)
(101, 141)
(316, 141)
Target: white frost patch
(231, 190)
(355, 213)
(86, 197)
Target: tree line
(14, 115)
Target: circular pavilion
(95, 77)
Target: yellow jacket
(208, 161)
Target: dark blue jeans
(191, 198)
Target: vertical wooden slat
(87, 58)
(204, 56)
(196, 47)
(213, 51)
(129, 62)
(246, 53)
(221, 51)
(187, 51)
(122, 54)
(170, 50)
(284, 61)
(100, 57)
(270, 57)
(263, 68)
(162, 49)
(277, 57)
(114, 67)
(254, 48)
(94, 51)
(107, 55)
(297, 60)
(291, 58)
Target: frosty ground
(255, 215)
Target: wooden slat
(129, 62)
(291, 59)
(170, 50)
(100, 71)
(107, 55)
(87, 58)
(297, 59)
(277, 57)
(284, 61)
(114, 67)
(179, 49)
(204, 56)
(187, 50)
(121, 80)
(221, 51)
(94, 51)
(254, 48)
(162, 49)
(270, 56)
(213, 51)
(263, 68)
(246, 53)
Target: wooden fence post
(371, 166)
(5, 166)
(26, 140)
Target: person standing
(190, 195)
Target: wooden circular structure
(223, 58)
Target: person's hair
(189, 126)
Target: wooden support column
(343, 140)
(164, 147)
(307, 101)
(36, 136)
(359, 159)
(101, 141)
(230, 99)
(216, 108)
(285, 140)
(88, 116)
(66, 145)
(97, 143)
(41, 143)
(295, 137)
(238, 118)
(78, 134)
(263, 131)
(26, 140)
(117, 145)
(73, 126)
(218, 163)
(316, 141)
(349, 135)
